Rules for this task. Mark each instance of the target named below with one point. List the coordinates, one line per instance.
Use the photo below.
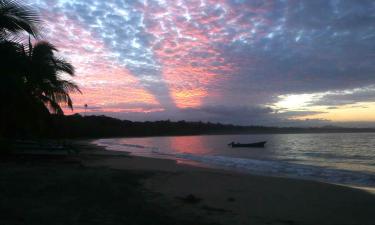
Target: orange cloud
(190, 62)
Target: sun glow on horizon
(358, 112)
(294, 101)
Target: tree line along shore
(77, 126)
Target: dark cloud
(291, 114)
(255, 115)
(237, 115)
(344, 98)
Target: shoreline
(216, 134)
(205, 165)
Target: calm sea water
(345, 158)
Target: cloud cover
(204, 56)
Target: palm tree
(31, 77)
(34, 88)
(15, 18)
(43, 77)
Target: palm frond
(43, 75)
(44, 49)
(69, 86)
(52, 105)
(11, 58)
(64, 66)
(15, 17)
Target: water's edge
(260, 167)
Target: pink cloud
(102, 79)
(190, 62)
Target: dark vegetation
(31, 86)
(77, 126)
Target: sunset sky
(281, 62)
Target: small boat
(250, 145)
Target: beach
(162, 112)
(227, 197)
(193, 195)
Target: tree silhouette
(15, 18)
(31, 83)
(43, 77)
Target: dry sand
(224, 197)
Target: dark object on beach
(191, 199)
(231, 199)
(214, 209)
(250, 145)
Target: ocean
(341, 158)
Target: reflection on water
(303, 154)
(189, 144)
